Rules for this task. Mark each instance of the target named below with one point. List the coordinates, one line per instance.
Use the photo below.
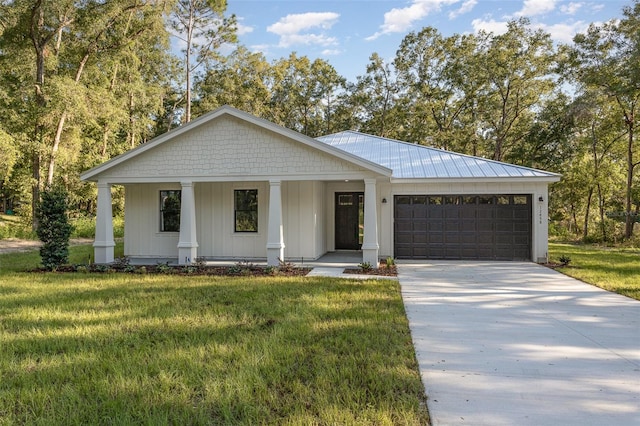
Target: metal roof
(411, 161)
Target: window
(246, 210)
(170, 211)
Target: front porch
(300, 219)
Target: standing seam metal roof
(412, 161)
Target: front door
(349, 220)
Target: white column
(187, 243)
(103, 243)
(275, 234)
(370, 239)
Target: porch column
(370, 239)
(103, 243)
(187, 243)
(275, 233)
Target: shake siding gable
(229, 147)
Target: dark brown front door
(349, 220)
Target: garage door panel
(463, 227)
(404, 226)
(435, 225)
(420, 225)
(435, 238)
(420, 238)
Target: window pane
(520, 199)
(469, 200)
(345, 200)
(419, 199)
(170, 211)
(246, 210)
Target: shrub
(564, 260)
(54, 229)
(365, 266)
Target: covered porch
(296, 220)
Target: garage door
(482, 227)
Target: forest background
(84, 81)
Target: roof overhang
(553, 177)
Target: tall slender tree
(202, 28)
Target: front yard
(613, 269)
(153, 349)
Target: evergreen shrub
(54, 229)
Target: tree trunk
(61, 122)
(585, 226)
(629, 218)
(603, 228)
(37, 22)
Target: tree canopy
(81, 82)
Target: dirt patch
(15, 245)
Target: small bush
(564, 260)
(390, 262)
(54, 229)
(163, 268)
(365, 266)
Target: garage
(461, 227)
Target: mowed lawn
(613, 269)
(151, 349)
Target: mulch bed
(240, 269)
(382, 270)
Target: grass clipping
(122, 349)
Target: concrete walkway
(510, 343)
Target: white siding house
(232, 186)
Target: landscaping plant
(53, 229)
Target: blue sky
(347, 32)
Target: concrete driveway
(512, 343)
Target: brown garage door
(482, 227)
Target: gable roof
(412, 161)
(93, 174)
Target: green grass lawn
(152, 349)
(613, 269)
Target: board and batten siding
(302, 216)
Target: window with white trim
(170, 210)
(245, 210)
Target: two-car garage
(478, 227)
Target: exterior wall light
(541, 199)
(384, 201)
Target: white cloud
(571, 8)
(243, 29)
(466, 7)
(400, 20)
(536, 7)
(564, 32)
(292, 28)
(490, 26)
(331, 52)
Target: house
(229, 185)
